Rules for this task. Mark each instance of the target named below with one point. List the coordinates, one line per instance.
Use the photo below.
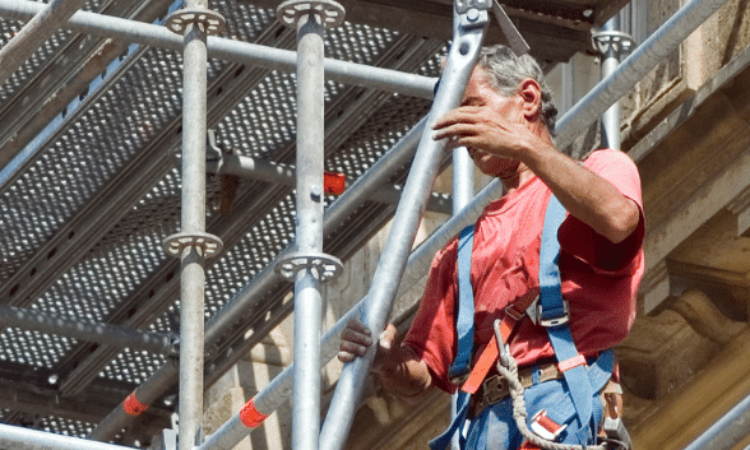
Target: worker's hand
(482, 128)
(356, 339)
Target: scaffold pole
(192, 244)
(308, 267)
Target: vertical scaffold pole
(613, 45)
(192, 244)
(308, 266)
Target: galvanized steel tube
(230, 50)
(20, 438)
(463, 192)
(657, 47)
(308, 303)
(611, 117)
(258, 169)
(463, 179)
(101, 333)
(193, 220)
(728, 431)
(43, 25)
(147, 393)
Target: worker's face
(480, 92)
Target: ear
(531, 93)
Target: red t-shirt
(599, 279)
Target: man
(505, 120)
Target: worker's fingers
(356, 337)
(387, 336)
(348, 351)
(356, 326)
(355, 340)
(466, 114)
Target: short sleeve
(432, 333)
(583, 242)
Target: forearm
(401, 372)
(585, 195)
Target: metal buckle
(514, 313)
(542, 426)
(554, 321)
(494, 389)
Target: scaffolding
(190, 356)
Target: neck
(515, 178)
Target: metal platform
(89, 143)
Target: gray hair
(506, 71)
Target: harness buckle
(550, 322)
(513, 312)
(545, 427)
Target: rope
(507, 367)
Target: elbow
(623, 223)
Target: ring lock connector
(556, 321)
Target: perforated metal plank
(260, 254)
(129, 253)
(57, 81)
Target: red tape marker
(249, 415)
(133, 407)
(334, 183)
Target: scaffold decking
(125, 293)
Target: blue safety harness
(553, 313)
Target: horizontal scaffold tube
(230, 50)
(259, 169)
(20, 438)
(101, 333)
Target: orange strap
(250, 416)
(513, 315)
(133, 407)
(481, 368)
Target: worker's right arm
(398, 369)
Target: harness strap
(554, 313)
(513, 315)
(465, 317)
